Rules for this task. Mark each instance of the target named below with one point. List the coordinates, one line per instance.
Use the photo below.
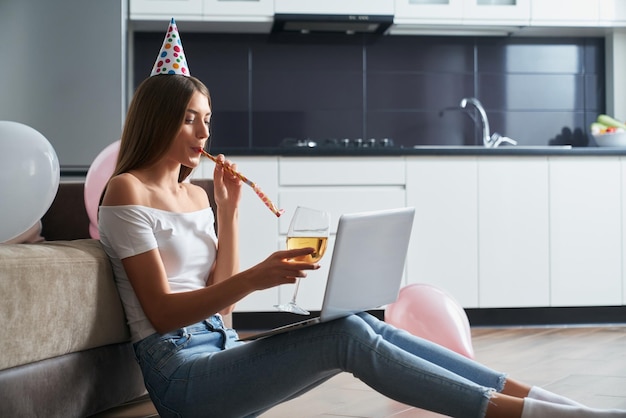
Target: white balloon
(30, 178)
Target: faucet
(489, 141)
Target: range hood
(332, 16)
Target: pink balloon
(97, 176)
(428, 312)
(93, 231)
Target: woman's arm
(168, 311)
(227, 194)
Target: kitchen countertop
(420, 150)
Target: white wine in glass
(318, 243)
(308, 228)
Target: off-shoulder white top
(186, 241)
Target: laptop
(366, 267)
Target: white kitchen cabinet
(343, 7)
(493, 231)
(513, 232)
(578, 13)
(214, 9)
(612, 13)
(338, 185)
(585, 235)
(444, 245)
(341, 185)
(429, 11)
(165, 9)
(565, 12)
(470, 12)
(342, 171)
(202, 10)
(501, 12)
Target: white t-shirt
(186, 241)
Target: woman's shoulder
(124, 189)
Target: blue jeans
(202, 371)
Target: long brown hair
(154, 118)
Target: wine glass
(308, 228)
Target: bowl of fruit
(609, 132)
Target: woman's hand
(226, 185)
(280, 268)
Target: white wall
(62, 72)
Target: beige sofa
(64, 342)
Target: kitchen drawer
(345, 171)
(339, 200)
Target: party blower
(254, 186)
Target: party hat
(171, 59)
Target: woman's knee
(354, 325)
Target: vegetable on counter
(606, 124)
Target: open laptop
(366, 267)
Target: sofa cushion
(74, 385)
(58, 297)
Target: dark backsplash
(539, 91)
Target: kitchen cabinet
(344, 7)
(500, 14)
(491, 15)
(513, 232)
(452, 12)
(202, 10)
(238, 8)
(612, 13)
(517, 231)
(609, 13)
(493, 231)
(565, 12)
(338, 185)
(165, 9)
(444, 245)
(504, 12)
(429, 11)
(585, 235)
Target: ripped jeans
(203, 371)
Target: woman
(175, 277)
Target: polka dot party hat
(171, 59)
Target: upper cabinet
(578, 13)
(160, 9)
(329, 7)
(507, 16)
(429, 11)
(565, 12)
(261, 8)
(453, 16)
(612, 13)
(202, 10)
(504, 12)
(470, 12)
